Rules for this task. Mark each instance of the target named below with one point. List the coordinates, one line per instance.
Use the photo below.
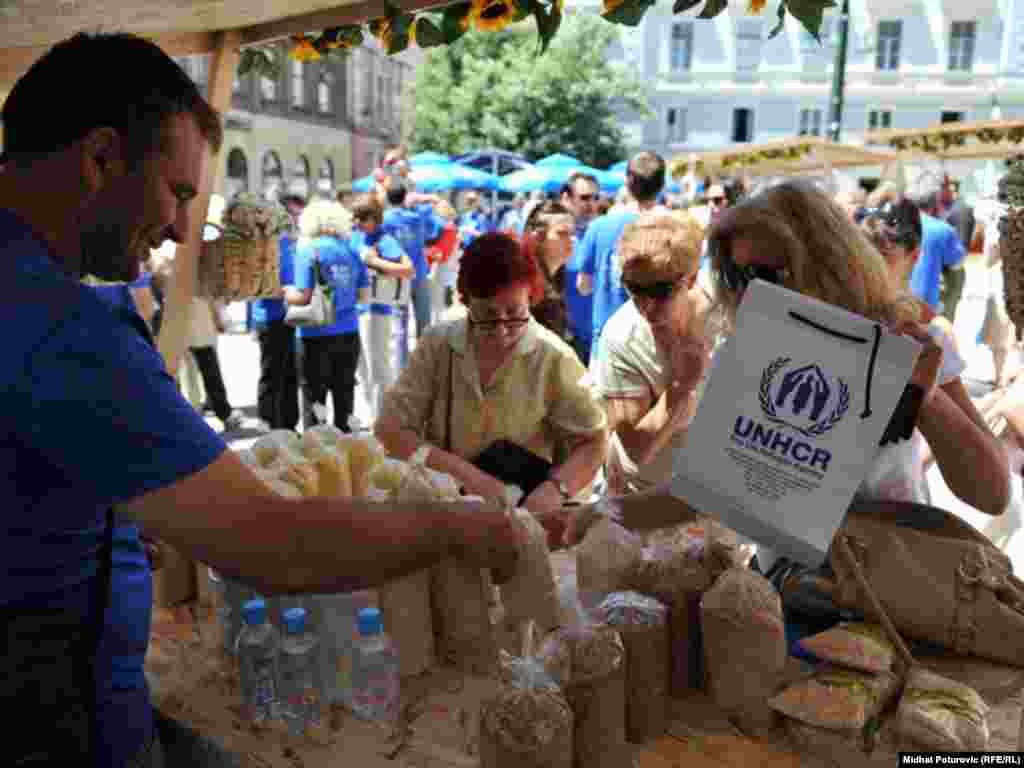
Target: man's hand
(926, 370)
(545, 504)
(484, 535)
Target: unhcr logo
(802, 398)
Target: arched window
(325, 182)
(237, 177)
(273, 175)
(300, 177)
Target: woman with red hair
(496, 379)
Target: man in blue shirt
(580, 195)
(940, 248)
(473, 221)
(92, 419)
(414, 227)
(278, 390)
(597, 259)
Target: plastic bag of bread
(837, 698)
(642, 622)
(941, 714)
(360, 454)
(852, 644)
(588, 661)
(744, 643)
(527, 723)
(604, 559)
(530, 593)
(319, 445)
(279, 453)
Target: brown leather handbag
(939, 579)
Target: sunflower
(342, 38)
(756, 6)
(493, 15)
(610, 5)
(304, 48)
(381, 29)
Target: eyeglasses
(492, 325)
(738, 276)
(717, 200)
(586, 198)
(657, 291)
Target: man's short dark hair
(576, 176)
(367, 208)
(68, 93)
(645, 176)
(397, 192)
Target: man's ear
(102, 157)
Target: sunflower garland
(397, 30)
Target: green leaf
(630, 12)
(684, 5)
(428, 35)
(810, 14)
(781, 22)
(712, 8)
(452, 24)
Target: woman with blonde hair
(331, 352)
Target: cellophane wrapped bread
(744, 646)
(528, 722)
(941, 714)
(588, 661)
(604, 559)
(837, 698)
(530, 593)
(853, 644)
(642, 622)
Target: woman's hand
(929, 363)
(545, 504)
(580, 519)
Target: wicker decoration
(236, 269)
(1011, 242)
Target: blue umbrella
(557, 160)
(439, 177)
(612, 181)
(364, 184)
(620, 166)
(549, 179)
(429, 158)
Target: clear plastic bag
(604, 559)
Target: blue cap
(369, 622)
(254, 612)
(295, 620)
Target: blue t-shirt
(472, 225)
(92, 419)
(413, 228)
(343, 269)
(940, 247)
(387, 248)
(266, 311)
(579, 309)
(596, 256)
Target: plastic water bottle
(339, 632)
(257, 650)
(231, 597)
(299, 671)
(375, 683)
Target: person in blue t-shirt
(940, 248)
(92, 419)
(383, 256)
(580, 195)
(414, 227)
(330, 353)
(596, 259)
(473, 221)
(277, 398)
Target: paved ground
(239, 355)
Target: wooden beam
(356, 13)
(174, 334)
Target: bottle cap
(369, 622)
(295, 620)
(254, 612)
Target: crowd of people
(573, 348)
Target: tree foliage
(495, 89)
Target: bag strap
(448, 408)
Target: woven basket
(234, 269)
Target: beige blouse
(539, 396)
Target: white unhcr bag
(791, 419)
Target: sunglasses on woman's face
(738, 276)
(657, 291)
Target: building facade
(910, 64)
(316, 125)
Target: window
(887, 57)
(237, 176)
(749, 34)
(810, 122)
(236, 84)
(879, 119)
(367, 105)
(273, 175)
(323, 95)
(268, 88)
(300, 177)
(742, 125)
(681, 47)
(298, 84)
(952, 117)
(675, 126)
(381, 98)
(961, 46)
(325, 184)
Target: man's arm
(223, 515)
(403, 268)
